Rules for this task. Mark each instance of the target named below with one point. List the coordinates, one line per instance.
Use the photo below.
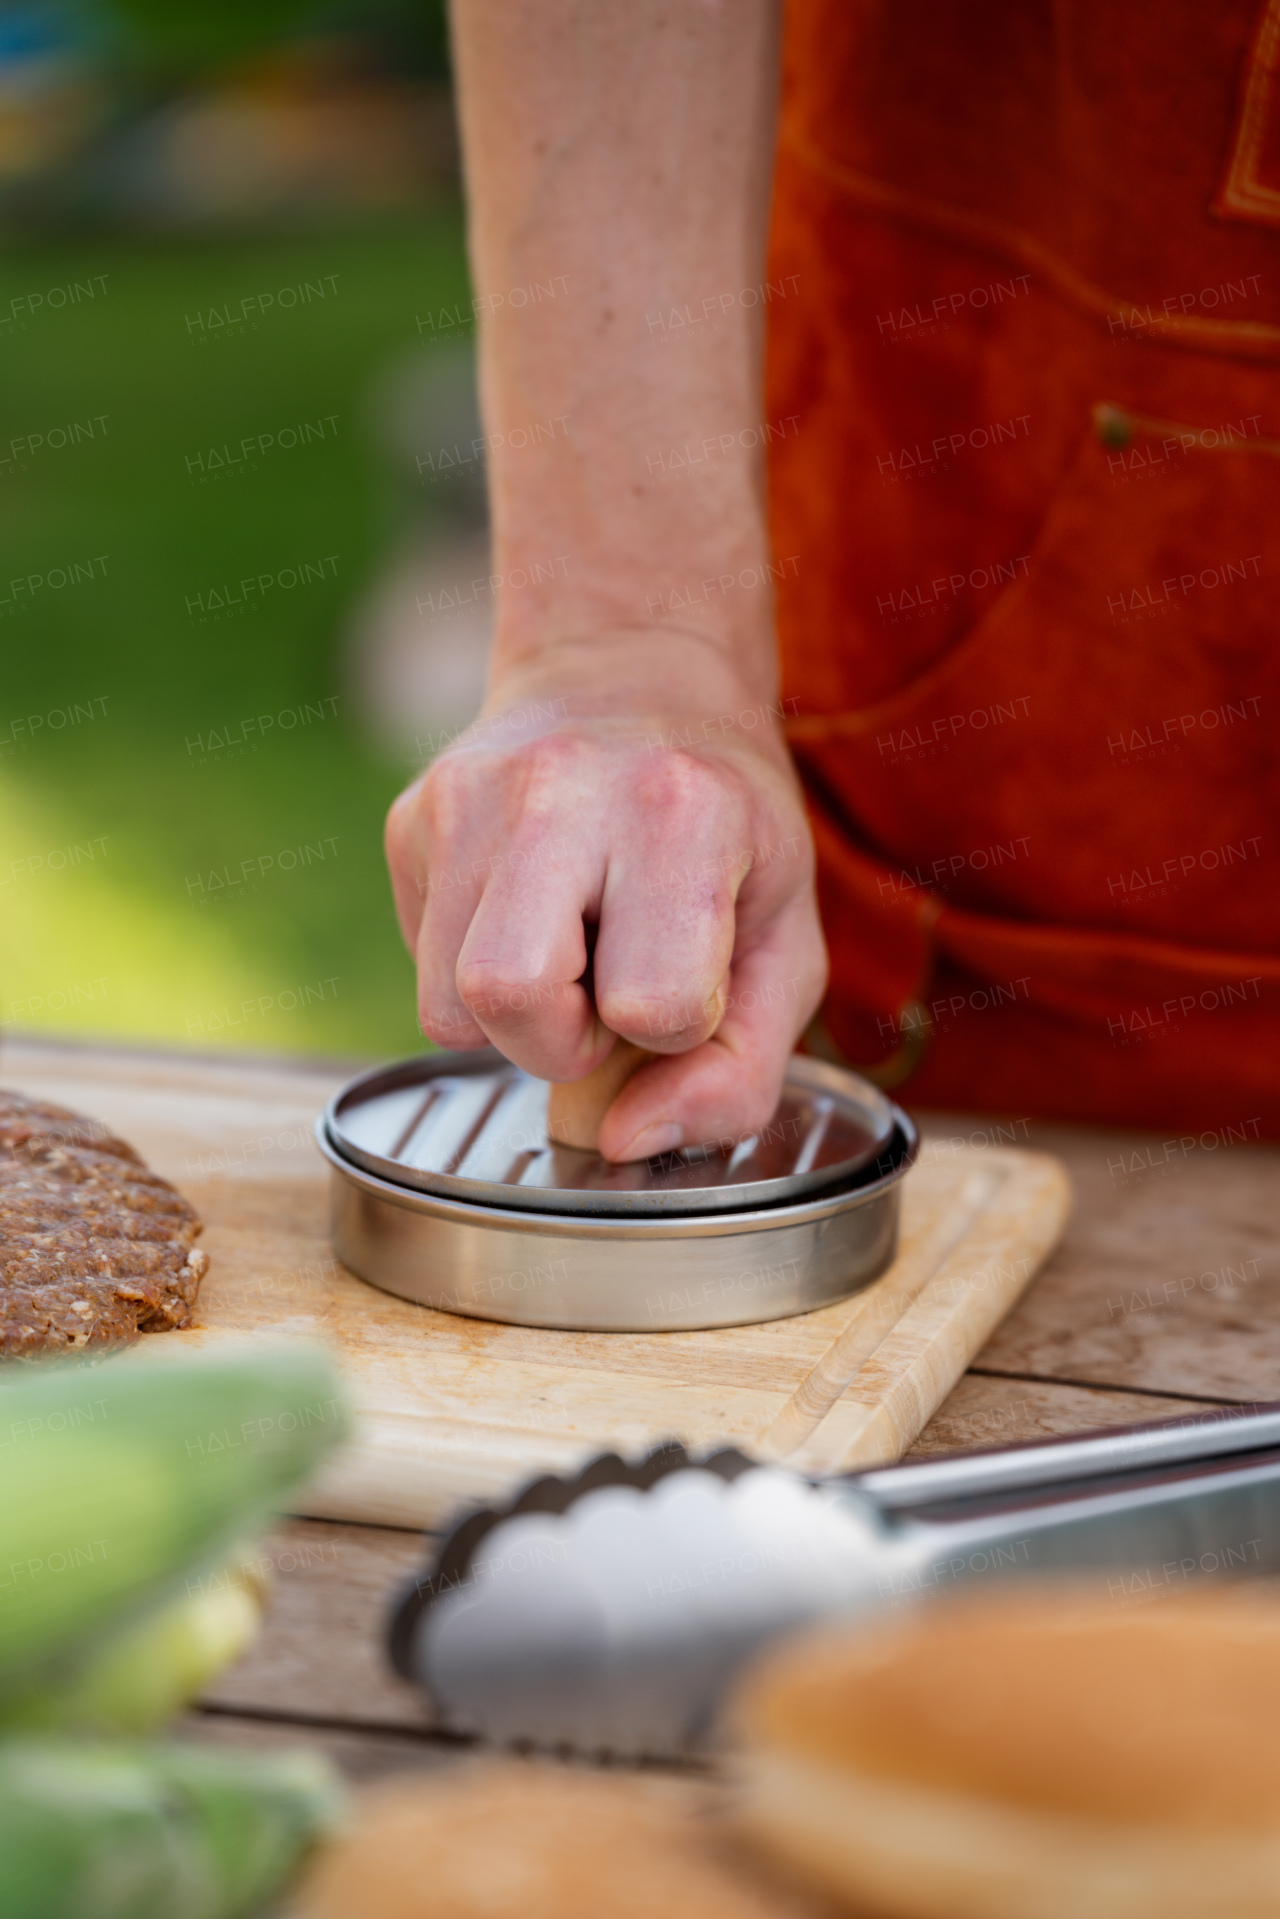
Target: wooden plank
(361, 1756)
(192, 1116)
(451, 1409)
(1168, 1276)
(321, 1653)
(984, 1411)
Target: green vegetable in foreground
(135, 1681)
(153, 1832)
(118, 1481)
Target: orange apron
(1024, 325)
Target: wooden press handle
(575, 1108)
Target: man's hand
(628, 781)
(679, 841)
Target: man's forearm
(620, 156)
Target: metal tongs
(608, 1612)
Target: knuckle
(549, 771)
(664, 1021)
(449, 1027)
(496, 993)
(443, 797)
(682, 784)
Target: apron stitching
(1242, 196)
(1115, 426)
(1249, 339)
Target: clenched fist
(585, 863)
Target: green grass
(126, 938)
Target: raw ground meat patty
(94, 1248)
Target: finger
(436, 891)
(407, 863)
(521, 964)
(443, 1013)
(666, 934)
(728, 1087)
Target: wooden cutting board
(451, 1409)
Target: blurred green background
(169, 874)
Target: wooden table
(1164, 1295)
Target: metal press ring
(662, 1273)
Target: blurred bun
(511, 1841)
(1027, 1756)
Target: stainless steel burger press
(447, 1190)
